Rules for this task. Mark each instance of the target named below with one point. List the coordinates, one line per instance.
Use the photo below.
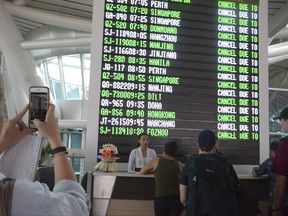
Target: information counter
(132, 194)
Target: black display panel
(172, 68)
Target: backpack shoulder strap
(6, 191)
(192, 185)
(191, 170)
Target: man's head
(207, 140)
(283, 114)
(170, 148)
(273, 148)
(283, 117)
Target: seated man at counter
(142, 155)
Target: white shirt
(33, 198)
(136, 158)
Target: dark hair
(142, 134)
(274, 145)
(283, 114)
(170, 148)
(206, 140)
(139, 137)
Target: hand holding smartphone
(39, 103)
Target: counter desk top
(123, 174)
(137, 174)
(127, 193)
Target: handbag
(248, 204)
(6, 190)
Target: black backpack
(211, 188)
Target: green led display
(171, 68)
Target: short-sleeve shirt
(281, 159)
(184, 175)
(263, 169)
(136, 158)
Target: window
(68, 76)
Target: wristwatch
(58, 150)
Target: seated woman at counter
(142, 155)
(167, 172)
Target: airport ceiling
(277, 33)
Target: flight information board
(172, 68)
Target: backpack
(211, 188)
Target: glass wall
(68, 76)
(72, 139)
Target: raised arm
(13, 130)
(50, 130)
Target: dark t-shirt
(184, 175)
(280, 162)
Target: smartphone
(39, 102)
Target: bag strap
(6, 191)
(193, 183)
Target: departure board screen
(174, 67)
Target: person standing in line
(265, 169)
(167, 172)
(207, 187)
(280, 167)
(142, 155)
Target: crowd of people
(188, 198)
(203, 186)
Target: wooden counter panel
(134, 188)
(130, 208)
(258, 187)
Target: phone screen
(38, 106)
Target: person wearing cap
(208, 145)
(280, 166)
(265, 169)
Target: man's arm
(149, 167)
(262, 169)
(183, 194)
(280, 185)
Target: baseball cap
(283, 114)
(206, 139)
